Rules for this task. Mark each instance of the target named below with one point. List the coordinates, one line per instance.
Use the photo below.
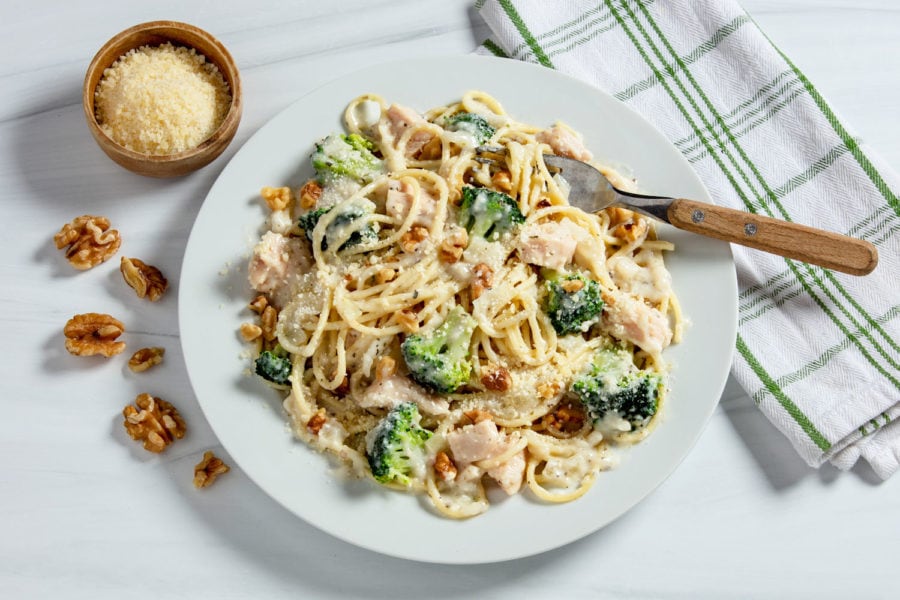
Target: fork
(591, 191)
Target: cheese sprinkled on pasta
(550, 322)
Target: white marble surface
(84, 512)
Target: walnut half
(497, 379)
(410, 240)
(444, 467)
(146, 280)
(483, 279)
(145, 358)
(310, 193)
(316, 422)
(268, 322)
(93, 333)
(453, 246)
(89, 239)
(154, 421)
(258, 304)
(208, 469)
(277, 198)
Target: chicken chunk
(401, 118)
(628, 318)
(269, 266)
(510, 474)
(482, 441)
(551, 244)
(395, 390)
(564, 142)
(476, 442)
(399, 201)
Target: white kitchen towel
(818, 351)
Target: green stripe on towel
(801, 419)
(494, 49)
(513, 15)
(774, 202)
(795, 412)
(699, 52)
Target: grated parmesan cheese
(161, 99)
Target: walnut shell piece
(146, 280)
(207, 470)
(632, 231)
(279, 198)
(476, 415)
(566, 419)
(483, 279)
(268, 322)
(310, 193)
(89, 239)
(432, 150)
(385, 276)
(444, 467)
(453, 246)
(410, 240)
(502, 181)
(408, 321)
(250, 332)
(570, 286)
(259, 304)
(385, 367)
(154, 421)
(93, 333)
(497, 380)
(316, 422)
(547, 389)
(146, 358)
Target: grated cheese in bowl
(161, 100)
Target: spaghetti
(383, 254)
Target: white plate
(247, 417)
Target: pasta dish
(440, 318)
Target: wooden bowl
(153, 34)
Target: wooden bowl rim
(230, 71)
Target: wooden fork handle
(807, 244)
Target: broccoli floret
(475, 125)
(363, 232)
(396, 446)
(274, 366)
(440, 360)
(341, 155)
(572, 302)
(612, 383)
(488, 213)
(309, 221)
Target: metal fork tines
(482, 152)
(589, 189)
